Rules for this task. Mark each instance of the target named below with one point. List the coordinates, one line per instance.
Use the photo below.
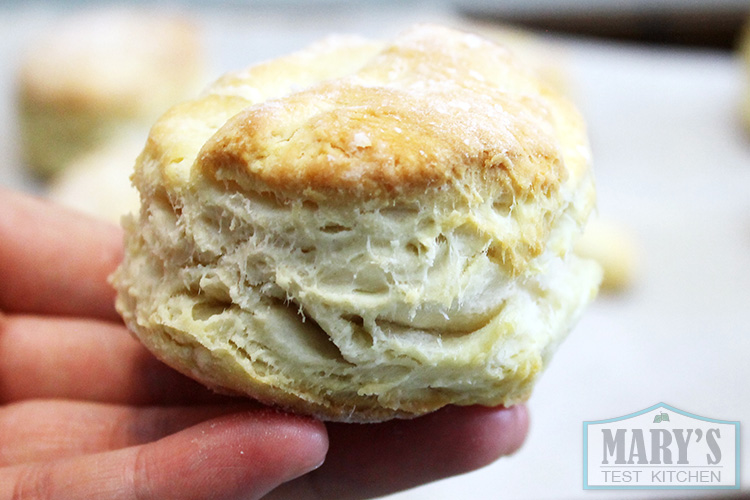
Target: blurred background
(664, 87)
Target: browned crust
(363, 141)
(434, 108)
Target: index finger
(241, 455)
(54, 260)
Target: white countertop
(673, 166)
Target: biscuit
(98, 182)
(99, 73)
(614, 247)
(364, 230)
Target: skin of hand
(86, 412)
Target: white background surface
(673, 166)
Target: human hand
(87, 412)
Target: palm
(89, 413)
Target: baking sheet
(673, 169)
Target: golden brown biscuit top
(435, 107)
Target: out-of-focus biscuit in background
(97, 74)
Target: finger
(34, 431)
(366, 461)
(242, 455)
(45, 357)
(54, 260)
